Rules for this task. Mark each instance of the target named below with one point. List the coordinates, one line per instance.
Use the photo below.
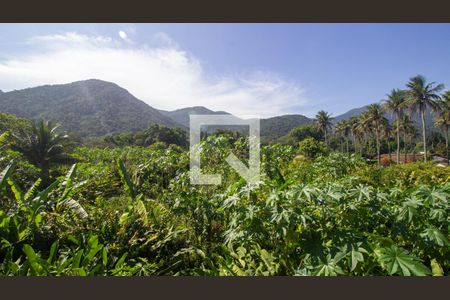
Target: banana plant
(137, 207)
(33, 201)
(4, 175)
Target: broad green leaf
(120, 262)
(53, 251)
(32, 190)
(396, 260)
(36, 264)
(436, 236)
(77, 259)
(104, 256)
(355, 257)
(67, 183)
(141, 211)
(18, 194)
(4, 175)
(126, 179)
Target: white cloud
(164, 76)
(122, 35)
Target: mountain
(89, 108)
(271, 128)
(356, 112)
(276, 127)
(181, 116)
(93, 107)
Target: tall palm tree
(43, 146)
(386, 131)
(323, 123)
(364, 128)
(395, 104)
(376, 119)
(408, 128)
(339, 131)
(343, 129)
(443, 119)
(359, 134)
(421, 95)
(353, 126)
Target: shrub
(311, 148)
(406, 175)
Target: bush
(405, 175)
(312, 148)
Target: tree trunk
(446, 144)
(346, 140)
(354, 143)
(405, 147)
(424, 135)
(360, 147)
(44, 174)
(364, 142)
(389, 151)
(398, 137)
(378, 147)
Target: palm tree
(343, 129)
(353, 126)
(443, 120)
(323, 123)
(364, 128)
(408, 128)
(421, 95)
(386, 130)
(43, 146)
(359, 136)
(395, 104)
(376, 119)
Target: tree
(154, 134)
(408, 129)
(343, 129)
(303, 131)
(160, 133)
(310, 147)
(395, 104)
(443, 119)
(43, 146)
(375, 118)
(421, 95)
(364, 128)
(386, 130)
(323, 123)
(353, 126)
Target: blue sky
(262, 69)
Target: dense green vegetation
(132, 211)
(326, 203)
